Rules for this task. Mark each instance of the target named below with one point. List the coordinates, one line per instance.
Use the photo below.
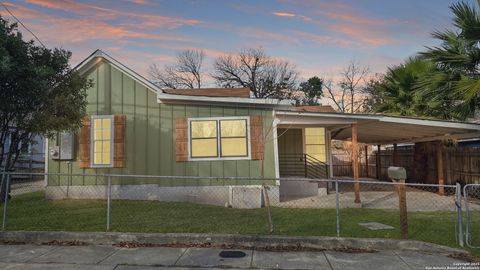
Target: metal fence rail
(195, 204)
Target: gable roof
(162, 96)
(211, 92)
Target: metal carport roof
(380, 129)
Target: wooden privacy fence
(460, 164)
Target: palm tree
(397, 91)
(457, 62)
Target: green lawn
(33, 212)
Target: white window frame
(92, 142)
(219, 157)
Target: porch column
(355, 162)
(378, 165)
(366, 160)
(395, 155)
(441, 180)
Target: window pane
(97, 123)
(314, 139)
(106, 157)
(106, 134)
(234, 147)
(233, 128)
(106, 147)
(315, 149)
(97, 135)
(315, 131)
(97, 147)
(204, 148)
(106, 123)
(203, 129)
(97, 158)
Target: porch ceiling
(379, 129)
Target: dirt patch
(13, 243)
(275, 248)
(65, 243)
(347, 249)
(465, 257)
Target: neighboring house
(32, 160)
(135, 128)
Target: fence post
(109, 199)
(402, 203)
(337, 207)
(5, 203)
(467, 216)
(458, 203)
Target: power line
(23, 25)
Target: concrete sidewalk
(29, 257)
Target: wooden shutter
(256, 137)
(181, 139)
(119, 141)
(84, 143)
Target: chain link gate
(471, 194)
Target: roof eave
(168, 98)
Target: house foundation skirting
(229, 196)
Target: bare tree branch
(348, 97)
(266, 77)
(185, 73)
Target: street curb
(249, 241)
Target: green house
(216, 146)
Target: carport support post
(366, 159)
(378, 164)
(395, 155)
(355, 162)
(441, 180)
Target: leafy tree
(373, 97)
(398, 92)
(253, 68)
(187, 72)
(457, 60)
(311, 90)
(40, 94)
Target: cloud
(291, 15)
(283, 14)
(344, 19)
(367, 36)
(143, 20)
(139, 2)
(63, 29)
(326, 39)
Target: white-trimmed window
(102, 140)
(219, 138)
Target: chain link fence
(471, 194)
(286, 206)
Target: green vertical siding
(150, 132)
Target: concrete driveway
(34, 257)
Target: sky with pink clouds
(319, 36)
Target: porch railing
(302, 165)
